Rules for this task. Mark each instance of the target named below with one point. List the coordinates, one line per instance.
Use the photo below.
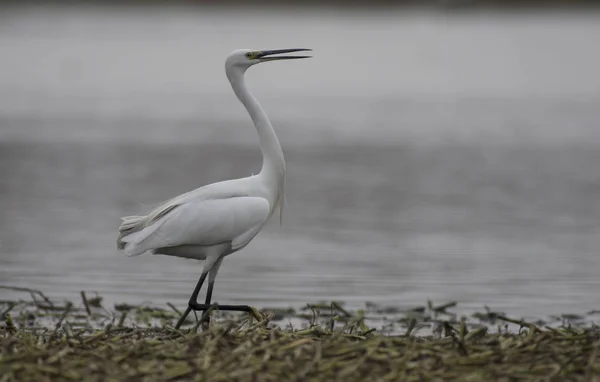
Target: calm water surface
(430, 155)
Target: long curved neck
(273, 167)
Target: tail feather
(129, 225)
(138, 242)
(129, 222)
(134, 231)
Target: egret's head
(245, 58)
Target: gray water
(431, 155)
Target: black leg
(195, 306)
(193, 300)
(209, 293)
(182, 318)
(205, 316)
(206, 306)
(194, 297)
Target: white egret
(219, 219)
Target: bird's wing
(233, 220)
(221, 190)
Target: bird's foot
(235, 308)
(205, 319)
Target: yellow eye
(249, 55)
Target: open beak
(267, 55)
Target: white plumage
(227, 213)
(221, 218)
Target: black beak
(266, 55)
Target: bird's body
(216, 220)
(190, 225)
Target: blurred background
(444, 150)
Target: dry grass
(41, 341)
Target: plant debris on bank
(42, 340)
